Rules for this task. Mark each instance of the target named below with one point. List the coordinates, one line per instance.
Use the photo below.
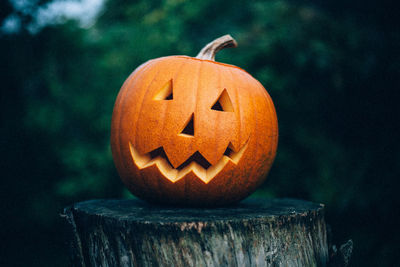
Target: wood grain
(275, 232)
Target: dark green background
(331, 67)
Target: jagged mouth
(195, 163)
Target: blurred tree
(333, 78)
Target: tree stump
(258, 232)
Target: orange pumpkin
(192, 131)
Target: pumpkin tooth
(198, 170)
(215, 169)
(195, 163)
(166, 169)
(236, 156)
(141, 160)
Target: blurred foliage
(332, 70)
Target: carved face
(193, 131)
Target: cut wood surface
(255, 232)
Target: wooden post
(260, 232)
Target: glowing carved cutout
(229, 152)
(205, 172)
(165, 92)
(188, 131)
(223, 102)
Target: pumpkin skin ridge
(229, 183)
(256, 96)
(141, 70)
(118, 114)
(216, 142)
(147, 68)
(245, 178)
(254, 111)
(238, 113)
(116, 118)
(174, 76)
(147, 91)
(274, 131)
(140, 103)
(270, 157)
(190, 141)
(197, 89)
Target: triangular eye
(165, 93)
(223, 102)
(189, 128)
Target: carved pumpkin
(192, 131)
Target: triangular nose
(189, 127)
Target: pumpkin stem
(209, 51)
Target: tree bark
(260, 232)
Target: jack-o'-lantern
(192, 131)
